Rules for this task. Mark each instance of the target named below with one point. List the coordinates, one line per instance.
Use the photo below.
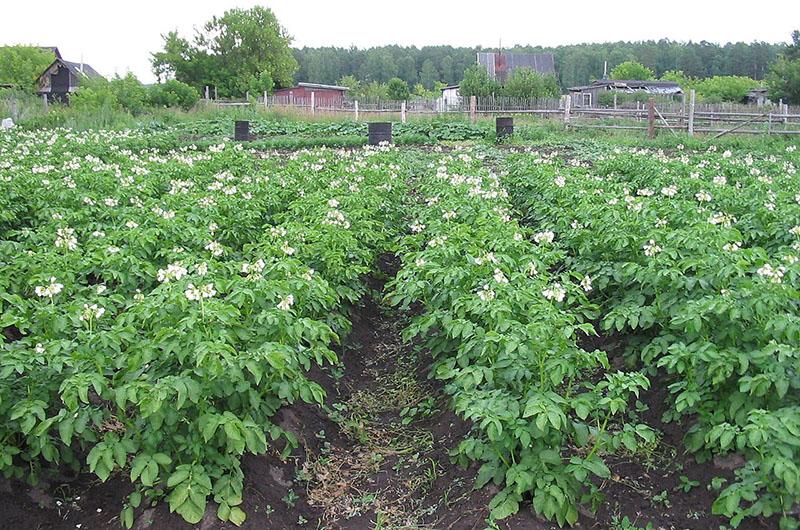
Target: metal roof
(318, 85)
(658, 87)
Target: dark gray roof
(80, 69)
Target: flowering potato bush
(501, 319)
(159, 305)
(696, 254)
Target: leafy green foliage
(159, 306)
(397, 89)
(527, 83)
(21, 66)
(173, 94)
(784, 76)
(503, 331)
(696, 254)
(632, 70)
(476, 82)
(244, 49)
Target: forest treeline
(575, 64)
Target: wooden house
(62, 78)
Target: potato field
(450, 336)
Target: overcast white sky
(115, 36)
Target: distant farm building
(324, 95)
(62, 78)
(451, 97)
(501, 65)
(758, 96)
(589, 95)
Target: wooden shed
(588, 95)
(62, 78)
(324, 95)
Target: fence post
(691, 113)
(567, 105)
(313, 103)
(403, 111)
(473, 109)
(683, 110)
(355, 107)
(44, 98)
(785, 113)
(215, 92)
(206, 91)
(651, 118)
(265, 99)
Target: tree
(397, 89)
(21, 66)
(243, 50)
(528, 83)
(129, 93)
(783, 81)
(428, 75)
(476, 82)
(783, 78)
(379, 66)
(632, 70)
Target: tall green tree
(783, 79)
(429, 75)
(631, 70)
(243, 50)
(21, 66)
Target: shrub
(130, 93)
(397, 89)
(173, 94)
(528, 83)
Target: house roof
(80, 69)
(660, 87)
(321, 86)
(77, 69)
(450, 87)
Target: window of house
(587, 100)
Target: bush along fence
(657, 113)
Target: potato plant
(159, 305)
(502, 316)
(695, 254)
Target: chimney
(82, 63)
(605, 69)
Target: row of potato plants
(158, 307)
(695, 256)
(501, 318)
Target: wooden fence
(682, 115)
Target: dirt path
(389, 466)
